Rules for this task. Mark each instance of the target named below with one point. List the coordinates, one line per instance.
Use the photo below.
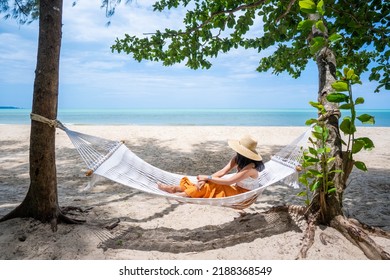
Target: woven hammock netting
(114, 161)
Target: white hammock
(114, 161)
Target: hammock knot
(51, 123)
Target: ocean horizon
(186, 117)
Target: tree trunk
(41, 201)
(329, 210)
(331, 205)
(42, 195)
(326, 63)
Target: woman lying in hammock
(248, 163)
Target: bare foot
(166, 188)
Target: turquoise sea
(188, 117)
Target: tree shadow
(204, 158)
(244, 229)
(367, 198)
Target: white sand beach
(149, 227)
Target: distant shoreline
(9, 107)
(184, 117)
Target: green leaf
(347, 126)
(315, 186)
(346, 106)
(311, 159)
(317, 105)
(360, 143)
(320, 7)
(318, 129)
(306, 164)
(302, 193)
(317, 135)
(320, 25)
(332, 190)
(368, 144)
(365, 118)
(321, 150)
(335, 37)
(317, 44)
(326, 132)
(336, 171)
(315, 172)
(330, 183)
(359, 100)
(340, 86)
(305, 25)
(307, 6)
(231, 21)
(303, 181)
(313, 151)
(337, 97)
(355, 79)
(311, 121)
(350, 74)
(361, 165)
(357, 146)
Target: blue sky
(91, 76)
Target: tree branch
(231, 11)
(21, 8)
(216, 14)
(292, 2)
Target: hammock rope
(114, 161)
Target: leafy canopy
(26, 11)
(215, 26)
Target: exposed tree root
(308, 238)
(62, 218)
(358, 236)
(16, 213)
(68, 209)
(371, 230)
(356, 232)
(22, 212)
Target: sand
(152, 228)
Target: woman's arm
(243, 174)
(203, 178)
(231, 164)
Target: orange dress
(209, 190)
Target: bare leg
(183, 194)
(172, 189)
(168, 188)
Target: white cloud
(90, 75)
(18, 58)
(116, 74)
(86, 22)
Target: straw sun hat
(246, 147)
